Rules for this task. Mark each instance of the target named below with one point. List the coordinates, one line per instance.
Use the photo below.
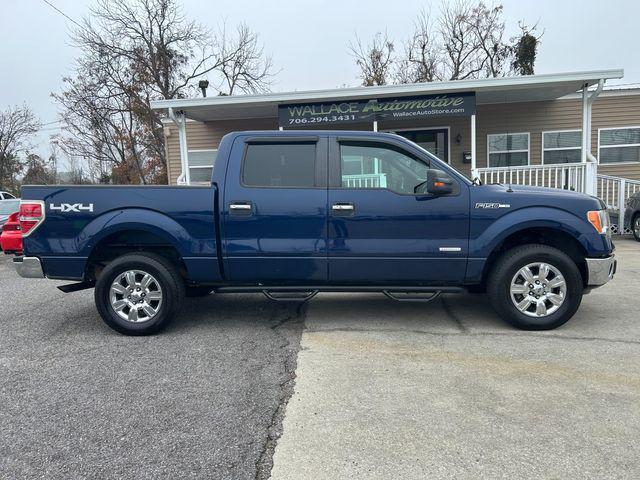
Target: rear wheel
(139, 293)
(535, 287)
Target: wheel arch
(542, 235)
(122, 231)
(125, 240)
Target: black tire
(198, 291)
(167, 278)
(506, 267)
(636, 229)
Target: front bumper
(600, 270)
(28, 267)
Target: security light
(203, 85)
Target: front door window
(369, 165)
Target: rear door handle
(240, 208)
(343, 208)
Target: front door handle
(240, 208)
(343, 208)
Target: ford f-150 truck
(293, 213)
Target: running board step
(289, 296)
(408, 296)
(76, 287)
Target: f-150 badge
(72, 207)
(493, 205)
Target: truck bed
(79, 217)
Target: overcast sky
(309, 39)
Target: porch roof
(529, 88)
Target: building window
(286, 165)
(201, 165)
(619, 145)
(508, 149)
(562, 146)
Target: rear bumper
(28, 267)
(600, 270)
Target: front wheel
(139, 293)
(535, 287)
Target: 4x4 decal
(71, 207)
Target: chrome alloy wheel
(538, 289)
(135, 296)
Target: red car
(11, 236)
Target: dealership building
(565, 130)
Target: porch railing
(614, 192)
(569, 176)
(373, 180)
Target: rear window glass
(280, 165)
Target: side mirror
(438, 182)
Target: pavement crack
(293, 323)
(451, 315)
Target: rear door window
(280, 165)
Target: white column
(474, 167)
(585, 124)
(591, 163)
(375, 125)
(180, 119)
(184, 150)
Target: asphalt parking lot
(81, 401)
(380, 389)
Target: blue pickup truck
(291, 214)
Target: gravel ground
(204, 399)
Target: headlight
(600, 221)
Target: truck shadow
(332, 311)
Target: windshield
(7, 207)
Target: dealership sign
(358, 111)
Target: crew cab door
(274, 210)
(380, 231)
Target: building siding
(534, 118)
(207, 135)
(564, 114)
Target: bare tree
(243, 64)
(17, 127)
(461, 44)
(422, 60)
(488, 27)
(465, 41)
(101, 127)
(135, 51)
(39, 171)
(374, 59)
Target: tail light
(12, 224)
(31, 216)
